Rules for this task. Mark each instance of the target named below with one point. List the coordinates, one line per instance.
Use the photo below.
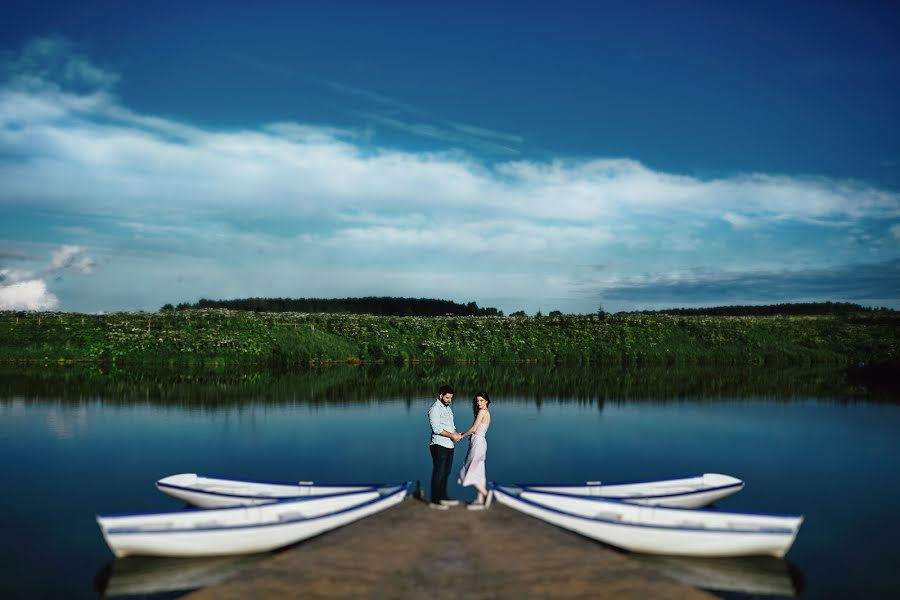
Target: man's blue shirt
(441, 419)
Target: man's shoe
(438, 506)
(450, 502)
(475, 506)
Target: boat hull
(659, 530)
(242, 530)
(213, 492)
(685, 492)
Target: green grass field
(231, 337)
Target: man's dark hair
(445, 389)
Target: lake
(77, 441)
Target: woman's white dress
(472, 471)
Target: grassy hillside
(233, 337)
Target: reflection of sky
(67, 423)
(12, 407)
(62, 421)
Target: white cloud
(738, 221)
(23, 289)
(133, 165)
(8, 276)
(52, 59)
(65, 256)
(322, 193)
(72, 257)
(85, 265)
(27, 295)
(126, 162)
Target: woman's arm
(478, 421)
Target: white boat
(657, 529)
(210, 492)
(686, 492)
(242, 529)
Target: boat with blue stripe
(243, 529)
(688, 492)
(209, 492)
(656, 529)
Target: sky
(522, 155)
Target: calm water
(77, 443)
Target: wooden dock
(413, 551)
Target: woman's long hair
(475, 402)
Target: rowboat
(657, 529)
(686, 492)
(210, 492)
(242, 529)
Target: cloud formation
(861, 282)
(52, 63)
(22, 289)
(27, 295)
(72, 257)
(155, 186)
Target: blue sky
(522, 155)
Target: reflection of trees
(540, 383)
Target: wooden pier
(413, 551)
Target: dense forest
(384, 306)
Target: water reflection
(143, 576)
(790, 433)
(751, 575)
(66, 423)
(540, 383)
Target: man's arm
(434, 418)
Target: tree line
(387, 306)
(792, 309)
(390, 306)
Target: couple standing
(443, 437)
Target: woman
(472, 472)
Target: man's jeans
(442, 459)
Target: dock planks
(412, 551)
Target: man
(443, 436)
